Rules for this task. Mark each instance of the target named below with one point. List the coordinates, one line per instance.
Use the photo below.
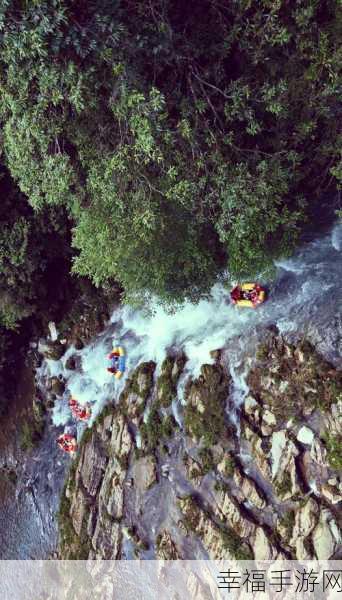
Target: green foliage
(300, 379)
(156, 428)
(206, 457)
(235, 545)
(284, 486)
(166, 383)
(179, 139)
(287, 521)
(230, 465)
(207, 423)
(334, 450)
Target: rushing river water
(305, 298)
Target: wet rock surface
(270, 492)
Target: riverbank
(32, 470)
(262, 484)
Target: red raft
(67, 443)
(78, 411)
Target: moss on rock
(171, 370)
(293, 380)
(204, 415)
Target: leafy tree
(181, 138)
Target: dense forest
(157, 145)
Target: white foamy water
(302, 289)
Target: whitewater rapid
(306, 290)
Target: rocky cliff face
(261, 481)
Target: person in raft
(114, 362)
(67, 443)
(78, 411)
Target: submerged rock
(71, 363)
(56, 386)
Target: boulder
(305, 435)
(284, 471)
(318, 453)
(51, 350)
(166, 549)
(260, 454)
(199, 523)
(56, 386)
(135, 406)
(121, 441)
(178, 367)
(106, 540)
(262, 547)
(333, 418)
(78, 510)
(331, 493)
(251, 405)
(144, 473)
(144, 378)
(104, 428)
(268, 422)
(305, 520)
(53, 331)
(253, 410)
(194, 471)
(111, 493)
(326, 537)
(91, 521)
(248, 490)
(92, 466)
(228, 511)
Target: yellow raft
(248, 295)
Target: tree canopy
(182, 139)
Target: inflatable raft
(78, 411)
(248, 295)
(67, 443)
(117, 361)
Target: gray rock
(144, 473)
(78, 510)
(92, 466)
(70, 363)
(51, 350)
(56, 386)
(107, 539)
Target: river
(305, 298)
